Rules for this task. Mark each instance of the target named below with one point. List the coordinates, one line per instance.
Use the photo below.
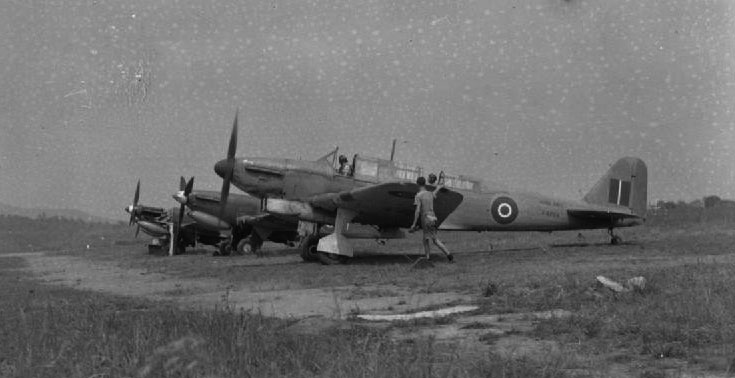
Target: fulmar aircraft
(380, 193)
(197, 221)
(167, 225)
(248, 227)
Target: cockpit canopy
(369, 169)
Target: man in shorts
(424, 202)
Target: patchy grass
(52, 332)
(685, 312)
(21, 234)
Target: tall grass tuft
(53, 332)
(683, 312)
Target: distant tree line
(707, 202)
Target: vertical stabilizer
(624, 184)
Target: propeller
(186, 187)
(133, 209)
(229, 168)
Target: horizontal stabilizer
(601, 214)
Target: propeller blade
(231, 150)
(233, 139)
(182, 183)
(176, 231)
(189, 186)
(186, 187)
(225, 192)
(137, 230)
(173, 240)
(136, 197)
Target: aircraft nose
(220, 168)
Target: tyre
(225, 249)
(244, 247)
(331, 258)
(308, 248)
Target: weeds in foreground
(52, 332)
(683, 312)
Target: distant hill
(6, 209)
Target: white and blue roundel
(504, 210)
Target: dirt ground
(380, 279)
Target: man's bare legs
(427, 248)
(440, 245)
(443, 248)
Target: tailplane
(624, 184)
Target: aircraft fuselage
(480, 210)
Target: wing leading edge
(388, 204)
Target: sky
(540, 95)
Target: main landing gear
(244, 240)
(224, 248)
(250, 244)
(307, 248)
(614, 239)
(309, 252)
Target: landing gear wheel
(331, 258)
(225, 249)
(614, 239)
(154, 249)
(244, 247)
(308, 248)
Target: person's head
(421, 181)
(432, 178)
(342, 159)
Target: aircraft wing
(271, 221)
(388, 204)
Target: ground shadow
(586, 244)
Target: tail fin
(624, 184)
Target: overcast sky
(540, 95)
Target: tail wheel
(308, 248)
(614, 239)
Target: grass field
(681, 324)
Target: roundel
(504, 210)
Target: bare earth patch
(529, 271)
(335, 302)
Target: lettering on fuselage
(550, 203)
(504, 210)
(550, 214)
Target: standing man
(424, 202)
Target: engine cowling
(209, 221)
(153, 229)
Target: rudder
(624, 184)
